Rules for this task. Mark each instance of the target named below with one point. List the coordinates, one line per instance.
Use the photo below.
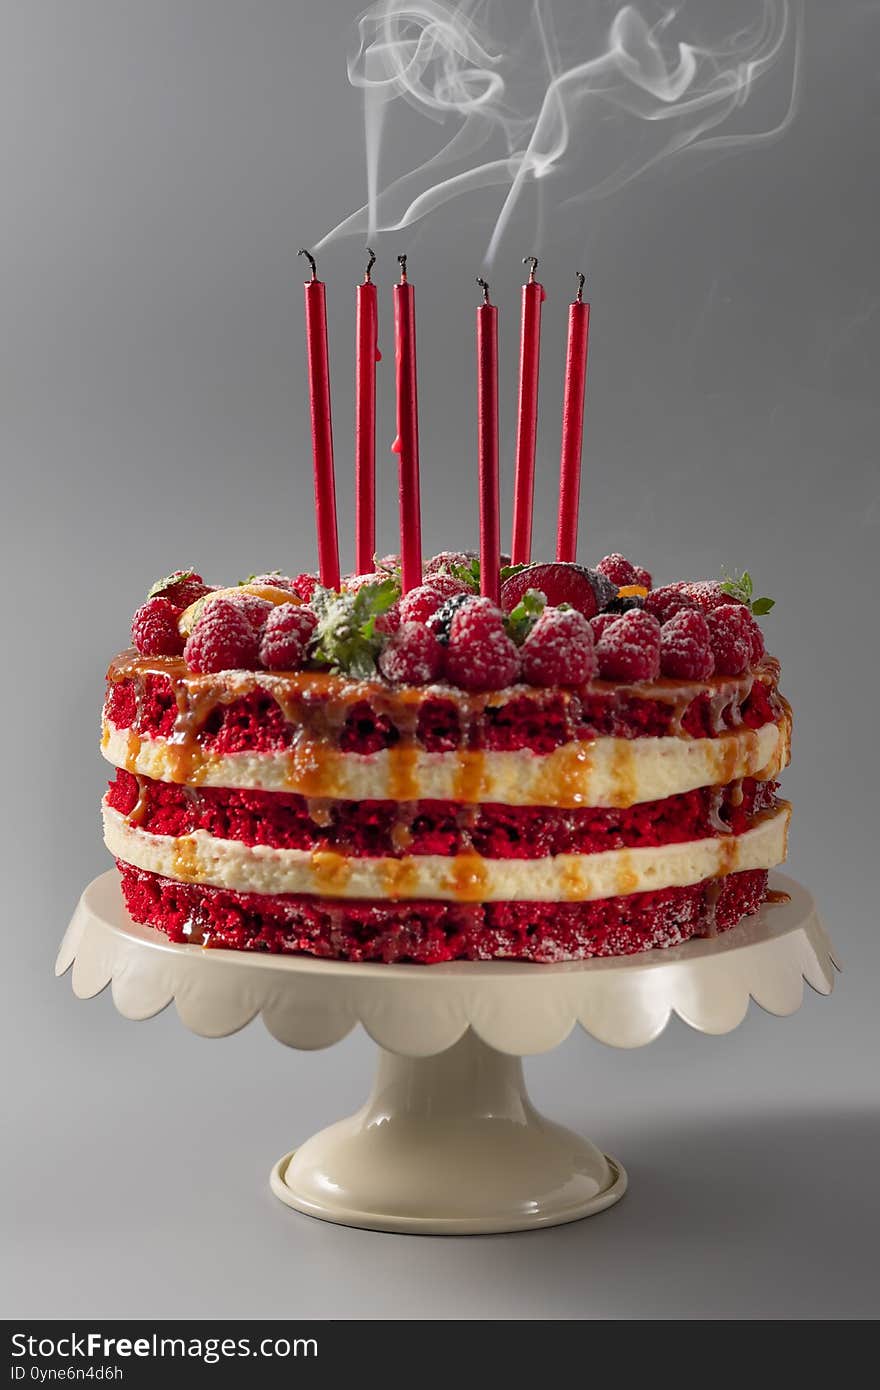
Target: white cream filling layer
(200, 858)
(603, 772)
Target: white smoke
(584, 100)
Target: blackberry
(440, 621)
(624, 605)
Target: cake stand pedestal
(449, 1142)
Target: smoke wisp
(526, 98)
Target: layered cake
(588, 769)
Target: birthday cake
(587, 768)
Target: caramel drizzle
(316, 706)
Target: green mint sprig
(740, 586)
(469, 574)
(522, 618)
(346, 640)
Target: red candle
(322, 427)
(487, 446)
(527, 416)
(367, 355)
(573, 426)
(406, 445)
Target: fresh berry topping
(479, 653)
(685, 647)
(731, 646)
(440, 621)
(559, 649)
(643, 577)
(222, 639)
(738, 618)
(624, 603)
(286, 636)
(586, 590)
(447, 585)
(412, 657)
(304, 585)
(449, 560)
(618, 569)
(600, 622)
(181, 588)
(707, 594)
(389, 621)
(273, 580)
(629, 649)
(667, 600)
(256, 609)
(353, 582)
(154, 628)
(418, 605)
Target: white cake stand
(449, 1141)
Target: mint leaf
(345, 638)
(741, 587)
(762, 606)
(508, 570)
(175, 577)
(468, 574)
(523, 617)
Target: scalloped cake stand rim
(449, 1142)
(516, 1007)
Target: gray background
(161, 163)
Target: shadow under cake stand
(449, 1142)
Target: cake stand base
(449, 1142)
(448, 1145)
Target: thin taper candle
(367, 355)
(573, 426)
(487, 446)
(406, 445)
(527, 416)
(322, 427)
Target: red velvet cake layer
(429, 932)
(368, 719)
(388, 828)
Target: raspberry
(643, 577)
(586, 590)
(731, 644)
(669, 599)
(617, 569)
(286, 636)
(412, 657)
(222, 639)
(154, 628)
(738, 619)
(600, 622)
(255, 609)
(707, 594)
(418, 605)
(559, 649)
(685, 649)
(183, 588)
(304, 585)
(352, 582)
(447, 585)
(444, 562)
(389, 621)
(629, 649)
(479, 655)
(441, 620)
(277, 581)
